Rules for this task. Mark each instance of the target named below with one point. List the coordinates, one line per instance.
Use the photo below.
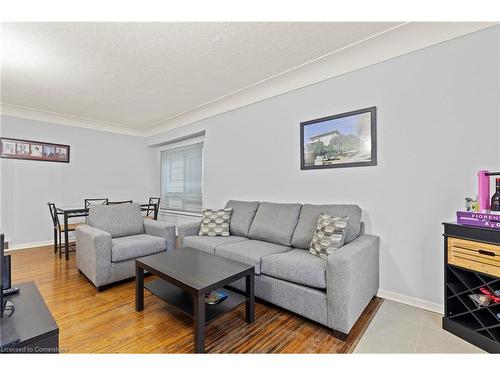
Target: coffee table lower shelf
(183, 301)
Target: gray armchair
(106, 247)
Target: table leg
(66, 237)
(55, 241)
(59, 246)
(199, 323)
(139, 288)
(249, 292)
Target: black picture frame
(45, 151)
(373, 140)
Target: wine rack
(462, 283)
(478, 325)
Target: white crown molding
(63, 119)
(401, 40)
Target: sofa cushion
(208, 244)
(304, 232)
(275, 222)
(250, 252)
(241, 217)
(329, 235)
(140, 245)
(215, 222)
(297, 266)
(118, 220)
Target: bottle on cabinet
(495, 199)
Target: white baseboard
(412, 301)
(29, 245)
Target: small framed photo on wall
(344, 140)
(11, 148)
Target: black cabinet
(471, 262)
(32, 322)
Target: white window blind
(181, 178)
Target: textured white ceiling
(139, 74)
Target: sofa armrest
(352, 277)
(185, 230)
(161, 229)
(93, 253)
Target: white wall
(102, 165)
(438, 124)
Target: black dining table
(70, 212)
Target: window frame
(173, 146)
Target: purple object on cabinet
(479, 223)
(490, 216)
(483, 191)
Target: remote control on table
(6, 292)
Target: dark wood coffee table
(186, 275)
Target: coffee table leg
(139, 288)
(199, 323)
(249, 289)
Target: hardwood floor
(107, 322)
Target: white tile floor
(399, 328)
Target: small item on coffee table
(215, 297)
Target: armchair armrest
(161, 229)
(93, 253)
(189, 229)
(352, 278)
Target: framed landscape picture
(12, 148)
(344, 140)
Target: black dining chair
(153, 210)
(59, 229)
(120, 202)
(90, 201)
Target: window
(181, 174)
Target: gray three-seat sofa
(275, 238)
